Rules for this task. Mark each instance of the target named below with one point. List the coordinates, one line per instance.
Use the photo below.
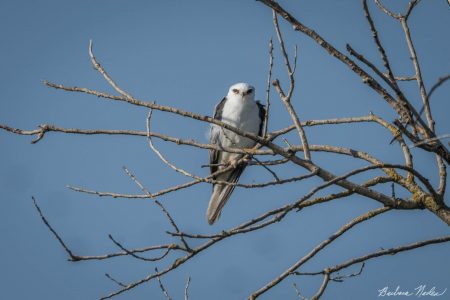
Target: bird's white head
(242, 90)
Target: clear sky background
(187, 54)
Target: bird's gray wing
(214, 136)
(262, 115)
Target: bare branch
(245, 227)
(405, 16)
(372, 182)
(52, 128)
(439, 137)
(163, 289)
(114, 280)
(186, 295)
(341, 278)
(380, 47)
(438, 149)
(332, 51)
(387, 11)
(164, 108)
(287, 153)
(418, 75)
(377, 71)
(141, 257)
(440, 81)
(425, 97)
(72, 256)
(268, 169)
(287, 98)
(269, 80)
(442, 176)
(326, 279)
(107, 194)
(399, 107)
(405, 78)
(295, 118)
(390, 251)
(102, 71)
(383, 252)
(139, 250)
(159, 154)
(299, 295)
(285, 55)
(169, 217)
(411, 5)
(317, 249)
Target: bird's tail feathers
(219, 197)
(221, 194)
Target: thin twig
(387, 11)
(72, 256)
(440, 81)
(138, 250)
(439, 137)
(163, 289)
(102, 71)
(169, 217)
(268, 169)
(269, 80)
(114, 280)
(297, 291)
(405, 78)
(392, 83)
(253, 163)
(411, 6)
(141, 257)
(159, 154)
(186, 295)
(341, 278)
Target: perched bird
(240, 110)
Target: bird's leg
(234, 162)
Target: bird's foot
(234, 163)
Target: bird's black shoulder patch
(214, 136)
(219, 109)
(262, 115)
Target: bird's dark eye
(236, 91)
(250, 91)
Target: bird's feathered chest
(242, 114)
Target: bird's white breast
(243, 114)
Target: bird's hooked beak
(245, 93)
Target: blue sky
(186, 54)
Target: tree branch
(317, 249)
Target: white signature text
(420, 291)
